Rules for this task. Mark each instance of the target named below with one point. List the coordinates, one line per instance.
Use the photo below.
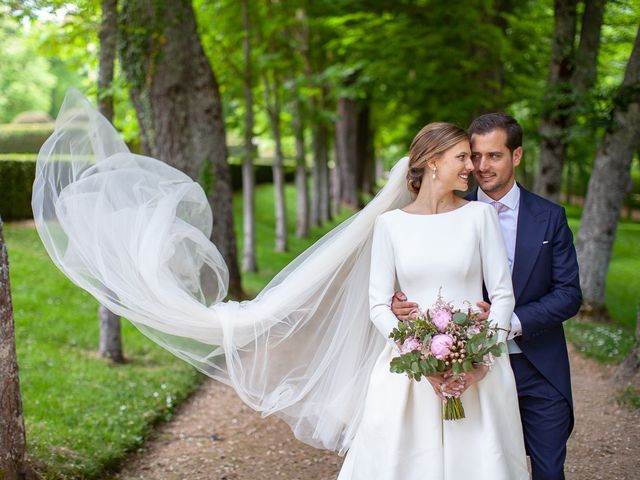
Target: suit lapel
(473, 195)
(532, 223)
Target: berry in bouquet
(446, 340)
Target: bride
(135, 232)
(439, 243)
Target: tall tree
(366, 167)
(609, 183)
(571, 73)
(354, 144)
(307, 45)
(347, 146)
(110, 330)
(321, 198)
(276, 61)
(178, 105)
(272, 86)
(12, 435)
(302, 194)
(249, 262)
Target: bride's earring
(434, 173)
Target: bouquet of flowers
(444, 340)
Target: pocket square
(545, 242)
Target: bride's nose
(468, 165)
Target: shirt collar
(511, 199)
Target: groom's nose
(481, 162)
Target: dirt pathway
(214, 436)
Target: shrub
(17, 173)
(24, 138)
(16, 183)
(32, 117)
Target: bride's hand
(441, 384)
(459, 383)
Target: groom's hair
(489, 122)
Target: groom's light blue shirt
(508, 218)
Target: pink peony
(410, 344)
(441, 345)
(441, 319)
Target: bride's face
(454, 167)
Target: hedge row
(16, 183)
(24, 138)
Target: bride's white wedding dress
(401, 434)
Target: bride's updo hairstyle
(431, 142)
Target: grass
(611, 342)
(82, 413)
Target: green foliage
(630, 396)
(25, 79)
(23, 137)
(16, 182)
(606, 343)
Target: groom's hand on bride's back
(401, 308)
(484, 306)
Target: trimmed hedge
(17, 175)
(16, 183)
(24, 137)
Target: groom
(544, 270)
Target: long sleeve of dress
(495, 272)
(382, 279)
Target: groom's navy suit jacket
(546, 286)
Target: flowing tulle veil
(134, 232)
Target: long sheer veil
(134, 232)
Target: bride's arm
(495, 271)
(382, 279)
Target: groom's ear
(517, 156)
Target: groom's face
(494, 165)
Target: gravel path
(214, 436)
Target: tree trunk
(347, 150)
(178, 105)
(249, 262)
(320, 207)
(586, 61)
(12, 435)
(110, 345)
(110, 336)
(302, 194)
(366, 167)
(272, 101)
(630, 365)
(610, 182)
(555, 115)
(108, 42)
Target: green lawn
(82, 413)
(612, 342)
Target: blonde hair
(431, 142)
